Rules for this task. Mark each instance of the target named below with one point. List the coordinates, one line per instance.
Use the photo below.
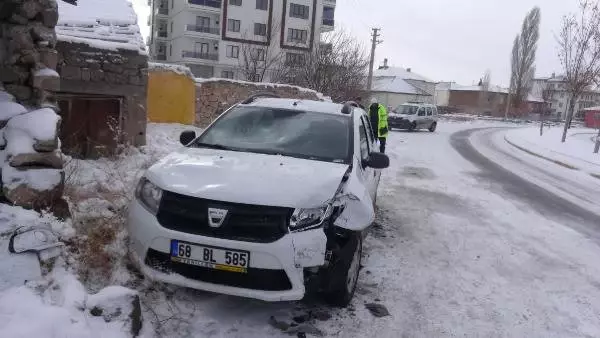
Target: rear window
(303, 134)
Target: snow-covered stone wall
(213, 96)
(30, 158)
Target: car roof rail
(253, 97)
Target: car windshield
(407, 110)
(310, 135)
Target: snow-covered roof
(102, 24)
(492, 89)
(399, 72)
(395, 85)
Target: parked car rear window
(310, 135)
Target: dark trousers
(382, 141)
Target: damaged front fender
(356, 204)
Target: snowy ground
(577, 151)
(461, 247)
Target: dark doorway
(90, 126)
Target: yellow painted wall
(171, 98)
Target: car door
(368, 144)
(429, 119)
(421, 117)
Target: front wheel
(433, 127)
(412, 127)
(349, 268)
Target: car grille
(251, 223)
(255, 279)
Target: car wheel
(413, 126)
(345, 287)
(432, 127)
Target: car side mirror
(187, 137)
(378, 161)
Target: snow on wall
(102, 24)
(200, 81)
(169, 67)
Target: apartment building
(554, 90)
(212, 36)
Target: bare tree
(523, 57)
(257, 60)
(484, 92)
(579, 53)
(336, 67)
(547, 95)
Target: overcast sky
(446, 40)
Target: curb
(568, 166)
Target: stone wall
(215, 96)
(32, 168)
(122, 73)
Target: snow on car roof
(304, 105)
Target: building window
(172, 4)
(262, 4)
(294, 59)
(297, 35)
(260, 29)
(202, 21)
(299, 11)
(233, 25)
(170, 50)
(233, 52)
(258, 54)
(227, 74)
(235, 2)
(171, 27)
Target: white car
(414, 116)
(269, 202)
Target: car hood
(248, 178)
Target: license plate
(210, 257)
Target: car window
(421, 111)
(435, 112)
(429, 111)
(364, 143)
(310, 135)
(370, 132)
(407, 109)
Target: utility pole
(374, 44)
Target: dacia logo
(216, 217)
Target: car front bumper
(398, 122)
(285, 258)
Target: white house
(208, 35)
(394, 86)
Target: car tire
(433, 127)
(413, 126)
(349, 268)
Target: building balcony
(161, 57)
(215, 4)
(328, 22)
(203, 29)
(200, 55)
(162, 11)
(162, 34)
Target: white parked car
(269, 202)
(414, 116)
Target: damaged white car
(269, 202)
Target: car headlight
(306, 219)
(148, 194)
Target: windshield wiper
(213, 146)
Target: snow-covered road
(458, 250)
